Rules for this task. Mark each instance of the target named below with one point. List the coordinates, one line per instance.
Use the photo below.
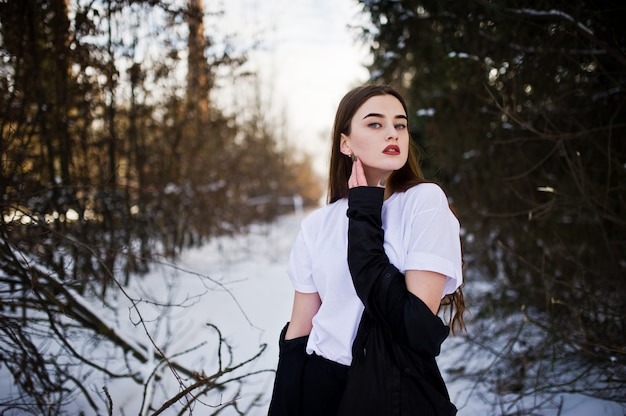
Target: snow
(239, 284)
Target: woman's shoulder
(325, 214)
(426, 195)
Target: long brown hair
(400, 180)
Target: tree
(105, 168)
(521, 110)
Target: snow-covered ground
(255, 302)
(239, 284)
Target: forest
(112, 161)
(521, 112)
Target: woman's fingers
(360, 174)
(352, 181)
(357, 176)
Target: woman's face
(379, 137)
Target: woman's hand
(357, 177)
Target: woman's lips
(392, 150)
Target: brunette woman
(371, 270)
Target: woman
(370, 270)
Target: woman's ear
(344, 145)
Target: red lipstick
(392, 149)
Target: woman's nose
(392, 133)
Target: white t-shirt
(421, 233)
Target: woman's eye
(401, 126)
(375, 125)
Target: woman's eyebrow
(381, 116)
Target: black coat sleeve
(286, 396)
(379, 284)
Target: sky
(307, 60)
